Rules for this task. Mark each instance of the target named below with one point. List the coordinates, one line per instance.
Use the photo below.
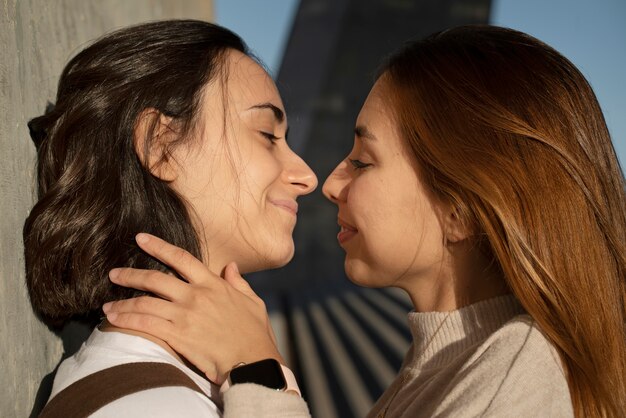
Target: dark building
(348, 342)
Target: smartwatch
(269, 373)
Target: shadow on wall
(73, 334)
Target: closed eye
(358, 165)
(269, 136)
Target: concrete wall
(37, 37)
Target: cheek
(391, 239)
(260, 171)
(386, 211)
(266, 228)
(378, 212)
(399, 231)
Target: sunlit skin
(238, 176)
(394, 232)
(242, 183)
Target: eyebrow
(278, 112)
(362, 132)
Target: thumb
(232, 276)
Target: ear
(153, 134)
(454, 228)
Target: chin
(286, 257)
(360, 274)
(278, 257)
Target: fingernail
(112, 316)
(106, 307)
(142, 238)
(114, 274)
(234, 267)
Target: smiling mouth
(290, 206)
(346, 232)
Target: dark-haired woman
(169, 128)
(483, 182)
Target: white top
(107, 349)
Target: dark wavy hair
(95, 193)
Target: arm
(214, 323)
(249, 400)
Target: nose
(336, 185)
(300, 175)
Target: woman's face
(389, 228)
(240, 178)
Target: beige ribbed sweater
(484, 360)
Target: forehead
(248, 84)
(376, 113)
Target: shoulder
(519, 341)
(520, 353)
(104, 351)
(161, 403)
(515, 372)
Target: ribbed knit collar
(439, 337)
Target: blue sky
(265, 25)
(590, 33)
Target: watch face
(265, 372)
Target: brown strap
(85, 396)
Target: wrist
(255, 357)
(267, 372)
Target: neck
(431, 296)
(463, 278)
(213, 261)
(106, 326)
(216, 260)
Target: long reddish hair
(508, 130)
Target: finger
(188, 266)
(161, 284)
(232, 276)
(153, 325)
(145, 305)
(159, 328)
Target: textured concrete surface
(37, 37)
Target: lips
(346, 232)
(290, 206)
